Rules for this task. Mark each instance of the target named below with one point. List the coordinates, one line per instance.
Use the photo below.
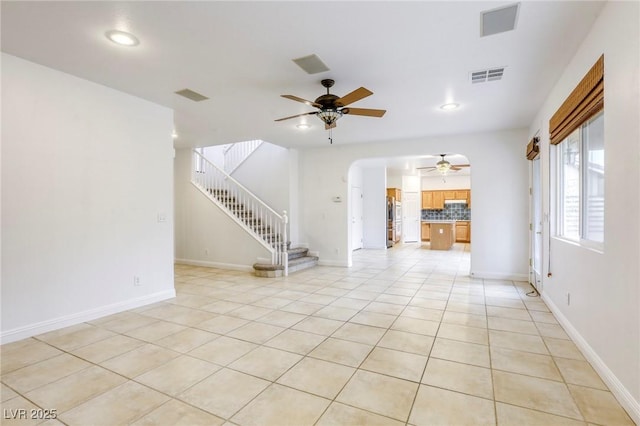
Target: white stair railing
(235, 154)
(251, 213)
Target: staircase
(299, 259)
(258, 219)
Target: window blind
(585, 101)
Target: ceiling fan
(443, 166)
(332, 107)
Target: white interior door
(536, 225)
(356, 218)
(411, 217)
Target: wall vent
(484, 76)
(190, 94)
(311, 64)
(499, 20)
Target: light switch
(162, 217)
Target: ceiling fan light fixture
(329, 116)
(449, 106)
(122, 38)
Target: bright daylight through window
(581, 183)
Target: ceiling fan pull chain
(331, 136)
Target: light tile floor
(405, 336)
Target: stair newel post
(283, 243)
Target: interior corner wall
(204, 234)
(603, 316)
(86, 200)
(266, 173)
(500, 196)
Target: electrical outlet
(136, 281)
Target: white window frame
(559, 225)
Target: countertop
(444, 221)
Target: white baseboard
(488, 275)
(80, 317)
(621, 393)
(219, 265)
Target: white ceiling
(414, 56)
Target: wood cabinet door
(425, 234)
(427, 199)
(462, 194)
(463, 232)
(438, 199)
(449, 195)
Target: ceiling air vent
(498, 20)
(190, 94)
(493, 74)
(311, 64)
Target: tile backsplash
(453, 211)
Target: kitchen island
(442, 234)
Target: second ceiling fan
(332, 107)
(443, 166)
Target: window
(581, 183)
(577, 130)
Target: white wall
(500, 248)
(603, 316)
(86, 170)
(453, 181)
(266, 174)
(374, 217)
(204, 234)
(411, 183)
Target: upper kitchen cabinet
(427, 199)
(433, 200)
(395, 193)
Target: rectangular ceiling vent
(311, 64)
(190, 94)
(499, 20)
(484, 76)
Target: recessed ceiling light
(449, 107)
(122, 38)
(303, 126)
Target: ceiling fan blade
(330, 126)
(294, 116)
(425, 168)
(364, 111)
(304, 101)
(459, 166)
(356, 95)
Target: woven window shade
(533, 149)
(585, 101)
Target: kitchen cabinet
(427, 199)
(425, 234)
(462, 194)
(443, 235)
(435, 199)
(463, 231)
(438, 200)
(395, 193)
(449, 195)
